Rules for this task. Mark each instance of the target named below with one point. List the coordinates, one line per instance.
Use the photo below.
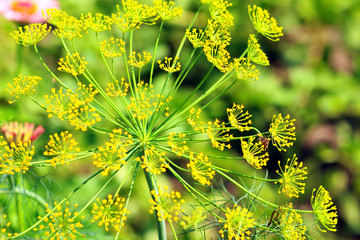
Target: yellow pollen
(26, 7)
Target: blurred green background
(314, 76)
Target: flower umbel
(290, 223)
(324, 210)
(31, 34)
(282, 131)
(291, 176)
(23, 86)
(167, 205)
(238, 222)
(264, 24)
(110, 211)
(254, 153)
(238, 118)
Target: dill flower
(23, 86)
(97, 22)
(219, 12)
(31, 34)
(21, 132)
(167, 205)
(324, 210)
(153, 161)
(108, 159)
(61, 223)
(117, 89)
(264, 24)
(196, 37)
(110, 211)
(168, 67)
(73, 64)
(238, 118)
(245, 70)
(254, 153)
(291, 223)
(15, 157)
(83, 117)
(4, 234)
(255, 54)
(63, 148)
(291, 175)
(194, 219)
(139, 13)
(218, 56)
(26, 11)
(200, 168)
(282, 131)
(177, 143)
(123, 22)
(238, 222)
(166, 10)
(139, 60)
(218, 135)
(113, 47)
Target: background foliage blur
(314, 76)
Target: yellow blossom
(290, 223)
(218, 134)
(59, 103)
(264, 24)
(200, 168)
(113, 47)
(23, 85)
(139, 60)
(219, 12)
(110, 211)
(324, 210)
(218, 56)
(245, 70)
(62, 223)
(153, 161)
(97, 22)
(238, 118)
(4, 229)
(254, 153)
(123, 22)
(168, 67)
(15, 157)
(139, 13)
(167, 205)
(196, 37)
(109, 158)
(73, 64)
(177, 143)
(282, 131)
(63, 148)
(117, 89)
(291, 176)
(166, 10)
(31, 34)
(194, 219)
(238, 222)
(255, 54)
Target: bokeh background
(314, 76)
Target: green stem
(161, 225)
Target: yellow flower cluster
(282, 131)
(61, 223)
(324, 209)
(200, 168)
(264, 24)
(291, 224)
(139, 60)
(255, 54)
(4, 233)
(153, 161)
(74, 64)
(73, 106)
(15, 157)
(63, 148)
(146, 102)
(97, 23)
(254, 153)
(291, 176)
(166, 10)
(111, 157)
(113, 47)
(177, 143)
(238, 222)
(238, 118)
(167, 205)
(245, 70)
(168, 67)
(23, 86)
(117, 89)
(31, 34)
(193, 220)
(110, 211)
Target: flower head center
(24, 6)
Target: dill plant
(146, 132)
